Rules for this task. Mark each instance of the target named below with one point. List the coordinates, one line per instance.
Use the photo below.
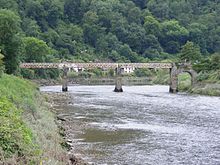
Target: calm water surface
(144, 125)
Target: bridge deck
(96, 65)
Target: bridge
(96, 65)
(174, 69)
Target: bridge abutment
(174, 73)
(118, 81)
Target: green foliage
(9, 25)
(211, 77)
(119, 30)
(16, 138)
(211, 63)
(9, 40)
(215, 61)
(162, 77)
(19, 92)
(190, 53)
(98, 72)
(28, 131)
(152, 26)
(142, 73)
(35, 50)
(184, 81)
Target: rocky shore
(59, 105)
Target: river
(143, 125)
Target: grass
(29, 134)
(184, 82)
(208, 83)
(161, 77)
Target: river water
(144, 125)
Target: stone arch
(175, 72)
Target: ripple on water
(145, 125)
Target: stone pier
(176, 71)
(173, 79)
(118, 81)
(65, 80)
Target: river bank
(67, 129)
(28, 128)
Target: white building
(128, 69)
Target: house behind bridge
(125, 70)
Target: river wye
(144, 125)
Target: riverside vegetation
(29, 134)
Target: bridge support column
(173, 79)
(193, 77)
(65, 80)
(118, 81)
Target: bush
(28, 133)
(202, 76)
(72, 74)
(184, 82)
(143, 73)
(16, 138)
(161, 77)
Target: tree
(31, 28)
(70, 36)
(141, 3)
(134, 15)
(196, 35)
(173, 31)
(152, 26)
(9, 40)
(9, 4)
(35, 11)
(35, 50)
(119, 27)
(126, 51)
(114, 56)
(159, 8)
(74, 10)
(136, 38)
(92, 31)
(107, 43)
(215, 61)
(9, 25)
(54, 11)
(190, 52)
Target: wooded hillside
(105, 30)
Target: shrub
(143, 73)
(16, 138)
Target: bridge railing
(96, 65)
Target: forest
(109, 31)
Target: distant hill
(105, 30)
